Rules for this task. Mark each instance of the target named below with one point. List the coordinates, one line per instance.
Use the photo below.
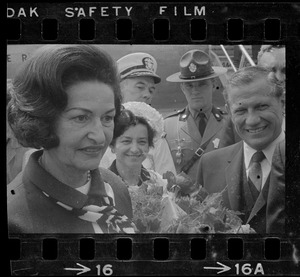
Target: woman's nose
(134, 147)
(96, 132)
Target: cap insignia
(149, 63)
(192, 67)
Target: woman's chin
(134, 162)
(90, 165)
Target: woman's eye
(107, 119)
(81, 118)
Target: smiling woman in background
(137, 128)
(64, 101)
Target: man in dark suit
(199, 127)
(276, 205)
(242, 171)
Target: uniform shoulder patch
(218, 113)
(222, 111)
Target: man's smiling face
(256, 113)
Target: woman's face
(85, 128)
(132, 146)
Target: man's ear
(227, 108)
(181, 86)
(282, 100)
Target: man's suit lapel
(234, 177)
(261, 200)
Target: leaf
(201, 194)
(140, 226)
(170, 179)
(182, 181)
(153, 223)
(181, 228)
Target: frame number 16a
(247, 269)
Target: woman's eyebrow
(110, 111)
(87, 110)
(77, 108)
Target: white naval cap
(137, 65)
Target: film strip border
(165, 23)
(155, 255)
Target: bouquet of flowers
(204, 213)
(147, 206)
(182, 207)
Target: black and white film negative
(171, 46)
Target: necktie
(202, 123)
(255, 172)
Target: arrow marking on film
(83, 269)
(223, 267)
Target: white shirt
(266, 163)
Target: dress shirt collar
(268, 151)
(194, 113)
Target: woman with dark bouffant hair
(15, 152)
(64, 101)
(136, 130)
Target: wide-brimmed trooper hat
(195, 65)
(138, 65)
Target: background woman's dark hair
(127, 119)
(39, 89)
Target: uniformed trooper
(198, 127)
(138, 83)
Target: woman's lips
(92, 150)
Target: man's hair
(249, 75)
(267, 48)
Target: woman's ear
(112, 148)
